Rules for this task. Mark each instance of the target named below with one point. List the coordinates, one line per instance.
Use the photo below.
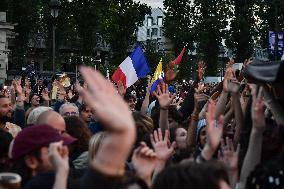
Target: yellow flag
(158, 72)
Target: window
(149, 21)
(160, 21)
(154, 32)
(148, 32)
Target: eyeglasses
(70, 114)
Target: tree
(211, 23)
(269, 17)
(201, 24)
(26, 15)
(242, 29)
(119, 24)
(179, 26)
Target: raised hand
(257, 112)
(247, 62)
(229, 155)
(144, 161)
(233, 86)
(214, 130)
(201, 69)
(70, 94)
(45, 95)
(199, 101)
(115, 115)
(58, 155)
(215, 96)
(17, 86)
(162, 146)
(164, 97)
(103, 98)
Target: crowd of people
(98, 134)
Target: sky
(153, 3)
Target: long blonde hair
(95, 143)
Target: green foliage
(81, 24)
(119, 24)
(199, 22)
(242, 30)
(270, 17)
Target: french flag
(132, 68)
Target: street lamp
(54, 6)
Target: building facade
(6, 32)
(153, 31)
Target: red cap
(35, 137)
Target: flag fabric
(158, 71)
(158, 77)
(172, 68)
(132, 68)
(179, 58)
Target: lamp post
(54, 6)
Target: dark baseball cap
(35, 137)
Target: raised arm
(146, 100)
(199, 100)
(165, 98)
(253, 154)
(233, 87)
(214, 134)
(45, 97)
(214, 97)
(19, 115)
(221, 103)
(200, 73)
(58, 155)
(116, 116)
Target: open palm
(163, 95)
(161, 145)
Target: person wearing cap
(30, 148)
(29, 152)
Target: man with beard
(6, 113)
(12, 115)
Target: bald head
(53, 119)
